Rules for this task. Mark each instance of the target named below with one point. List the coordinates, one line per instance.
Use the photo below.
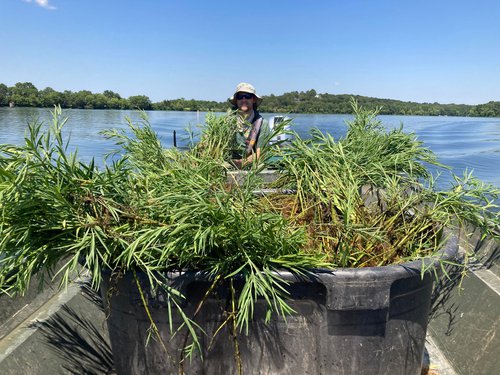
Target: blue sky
(425, 51)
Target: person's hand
(238, 163)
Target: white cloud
(43, 3)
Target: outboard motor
(283, 136)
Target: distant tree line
(25, 94)
(312, 102)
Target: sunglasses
(246, 96)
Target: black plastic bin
(348, 321)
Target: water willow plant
(151, 210)
(368, 199)
(365, 199)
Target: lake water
(460, 142)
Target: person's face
(245, 101)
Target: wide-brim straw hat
(245, 87)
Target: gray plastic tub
(348, 321)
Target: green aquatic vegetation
(365, 199)
(173, 211)
(368, 199)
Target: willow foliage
(368, 198)
(149, 210)
(365, 199)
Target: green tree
(118, 103)
(140, 102)
(25, 94)
(67, 99)
(81, 99)
(98, 101)
(49, 97)
(4, 95)
(111, 95)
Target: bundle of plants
(369, 198)
(150, 209)
(365, 199)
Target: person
(253, 129)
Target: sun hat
(245, 87)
